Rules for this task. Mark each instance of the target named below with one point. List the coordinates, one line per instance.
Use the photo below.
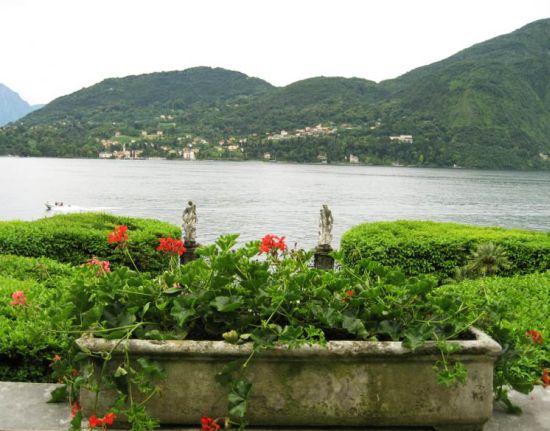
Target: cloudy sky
(54, 47)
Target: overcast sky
(49, 48)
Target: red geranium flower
(171, 246)
(93, 421)
(270, 243)
(18, 298)
(104, 265)
(535, 336)
(209, 424)
(349, 293)
(545, 377)
(118, 235)
(108, 419)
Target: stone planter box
(348, 383)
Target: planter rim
(481, 345)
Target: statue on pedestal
(189, 226)
(322, 258)
(325, 227)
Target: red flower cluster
(349, 293)
(18, 298)
(270, 243)
(171, 246)
(535, 336)
(118, 235)
(108, 419)
(209, 424)
(545, 377)
(75, 408)
(104, 265)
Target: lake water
(255, 198)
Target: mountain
(487, 106)
(140, 96)
(12, 107)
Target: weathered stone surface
(349, 383)
(23, 408)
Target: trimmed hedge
(28, 335)
(425, 247)
(76, 238)
(506, 308)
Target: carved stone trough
(348, 383)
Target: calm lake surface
(255, 198)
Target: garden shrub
(424, 247)
(507, 308)
(29, 336)
(76, 238)
(48, 272)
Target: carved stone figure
(325, 226)
(189, 225)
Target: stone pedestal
(190, 254)
(322, 258)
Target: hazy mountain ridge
(485, 106)
(12, 106)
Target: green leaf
(226, 304)
(354, 326)
(59, 395)
(181, 313)
(238, 398)
(151, 368)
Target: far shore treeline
(487, 106)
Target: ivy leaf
(238, 398)
(225, 375)
(354, 326)
(59, 395)
(413, 339)
(181, 313)
(227, 303)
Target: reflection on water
(255, 198)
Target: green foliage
(424, 247)
(509, 307)
(76, 238)
(28, 337)
(48, 272)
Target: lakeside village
(162, 145)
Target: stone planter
(349, 383)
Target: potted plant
(284, 344)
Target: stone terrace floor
(23, 407)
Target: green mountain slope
(141, 96)
(487, 106)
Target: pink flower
(18, 298)
(103, 265)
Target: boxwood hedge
(423, 247)
(75, 238)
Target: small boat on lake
(50, 206)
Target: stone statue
(189, 225)
(325, 226)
